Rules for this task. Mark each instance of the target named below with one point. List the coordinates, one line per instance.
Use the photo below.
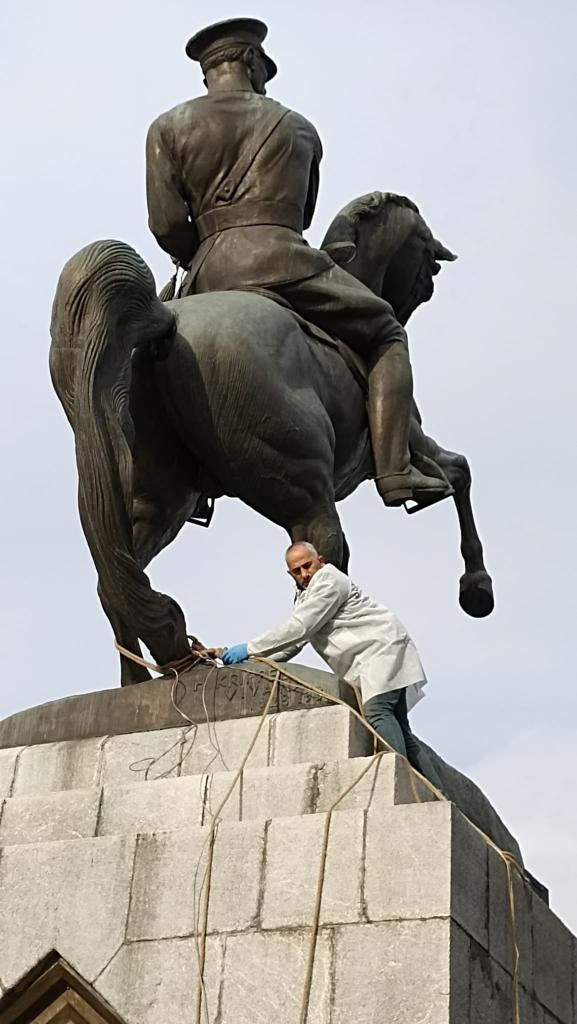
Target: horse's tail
(105, 306)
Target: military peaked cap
(233, 32)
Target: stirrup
(424, 499)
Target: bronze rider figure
(232, 182)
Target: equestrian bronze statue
(279, 374)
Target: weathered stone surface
(553, 964)
(228, 693)
(223, 745)
(419, 872)
(542, 1016)
(469, 878)
(293, 857)
(459, 975)
(472, 802)
(375, 791)
(157, 806)
(321, 734)
(142, 756)
(408, 862)
(425, 860)
(481, 991)
(531, 1011)
(57, 766)
(71, 896)
(264, 977)
(279, 791)
(491, 996)
(237, 876)
(170, 875)
(218, 788)
(71, 814)
(385, 784)
(409, 787)
(397, 972)
(500, 921)
(8, 761)
(168, 878)
(157, 982)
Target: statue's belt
(241, 215)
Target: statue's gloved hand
(236, 654)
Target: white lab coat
(362, 641)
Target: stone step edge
(317, 784)
(256, 823)
(352, 767)
(316, 734)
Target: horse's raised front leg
(475, 586)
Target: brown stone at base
(220, 693)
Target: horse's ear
(341, 252)
(442, 253)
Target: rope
(507, 858)
(320, 888)
(310, 688)
(199, 654)
(201, 992)
(195, 656)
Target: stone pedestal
(103, 850)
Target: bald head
(303, 561)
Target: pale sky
(467, 108)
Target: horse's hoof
(476, 594)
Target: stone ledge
(123, 913)
(168, 804)
(222, 693)
(319, 735)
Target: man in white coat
(362, 642)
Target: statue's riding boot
(412, 486)
(429, 468)
(400, 477)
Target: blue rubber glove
(236, 654)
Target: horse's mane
(401, 218)
(399, 215)
(373, 203)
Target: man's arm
(288, 653)
(168, 214)
(328, 594)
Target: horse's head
(382, 240)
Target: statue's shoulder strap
(268, 122)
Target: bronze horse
(230, 393)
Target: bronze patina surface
(236, 386)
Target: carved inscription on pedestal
(238, 693)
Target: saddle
(354, 362)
